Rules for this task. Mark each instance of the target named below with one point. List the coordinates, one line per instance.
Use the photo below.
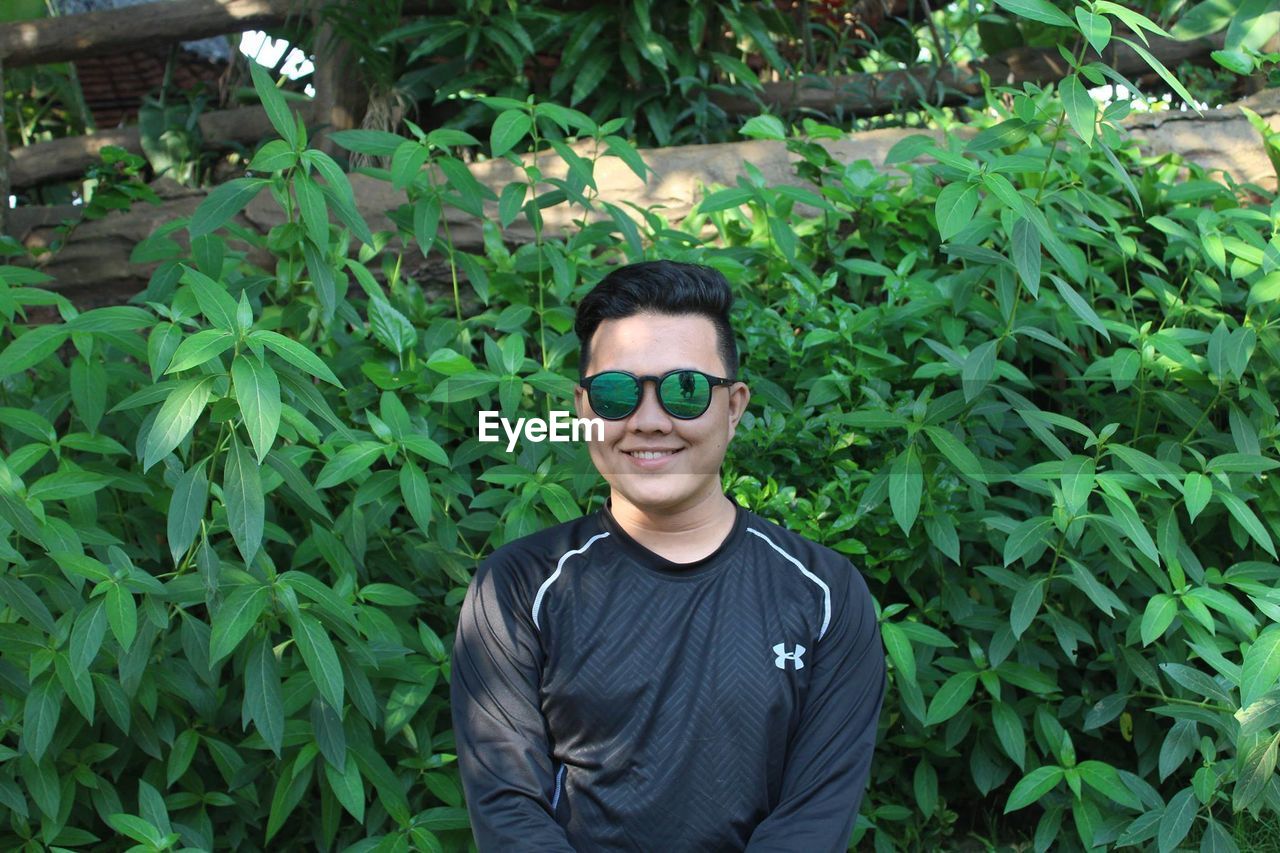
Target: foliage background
(1028, 389)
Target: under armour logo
(783, 656)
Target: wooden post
(340, 97)
(4, 159)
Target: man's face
(652, 344)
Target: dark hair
(663, 287)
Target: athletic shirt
(606, 698)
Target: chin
(655, 492)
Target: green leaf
(1122, 510)
(1026, 254)
(315, 216)
(899, 649)
(764, 127)
(184, 750)
(1246, 519)
(954, 208)
(87, 635)
(330, 737)
(78, 686)
(426, 222)
(214, 301)
(416, 492)
(1203, 18)
(379, 143)
(258, 392)
(1261, 669)
(960, 456)
(347, 787)
(1234, 61)
(1026, 536)
(298, 483)
(1082, 112)
(905, 488)
(320, 658)
(122, 614)
(243, 498)
(508, 129)
(234, 618)
(40, 716)
(199, 348)
(1077, 482)
(1197, 490)
(562, 504)
(1032, 787)
(1036, 10)
(1258, 769)
(274, 103)
(1026, 604)
(951, 697)
(390, 327)
(1104, 778)
(1079, 307)
(1159, 68)
(1253, 25)
(591, 73)
(31, 348)
(1002, 135)
(1177, 819)
(275, 156)
(1134, 20)
(223, 202)
(509, 204)
(262, 695)
(186, 509)
(296, 354)
(89, 390)
(355, 458)
(17, 595)
(1009, 732)
(1096, 28)
(978, 368)
(1161, 609)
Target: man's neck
(682, 536)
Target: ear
(739, 396)
(580, 401)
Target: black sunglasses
(682, 393)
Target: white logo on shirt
(783, 656)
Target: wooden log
(887, 91)
(94, 267)
(113, 30)
(63, 159)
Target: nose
(649, 416)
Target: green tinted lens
(685, 394)
(613, 394)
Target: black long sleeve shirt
(605, 698)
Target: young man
(672, 672)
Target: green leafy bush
(1027, 390)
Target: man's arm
(829, 756)
(500, 733)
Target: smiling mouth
(650, 454)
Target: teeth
(648, 454)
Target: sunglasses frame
(713, 381)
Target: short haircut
(661, 287)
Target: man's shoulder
(536, 554)
(822, 561)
